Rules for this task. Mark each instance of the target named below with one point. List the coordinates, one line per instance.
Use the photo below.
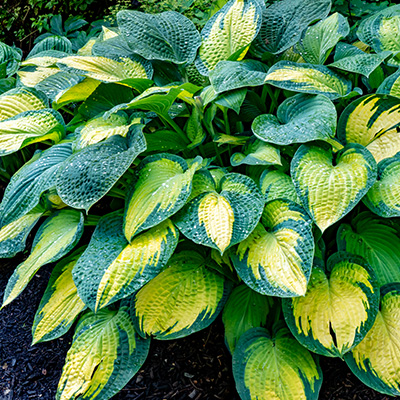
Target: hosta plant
(250, 170)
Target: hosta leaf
(168, 36)
(16, 101)
(54, 42)
(321, 38)
(372, 121)
(30, 127)
(105, 354)
(7, 84)
(351, 59)
(277, 185)
(377, 241)
(308, 78)
(111, 268)
(60, 304)
(222, 40)
(26, 186)
(381, 31)
(90, 173)
(14, 234)
(10, 58)
(164, 140)
(350, 296)
(56, 237)
(112, 47)
(31, 76)
(245, 309)
(194, 129)
(329, 191)
(185, 298)
(230, 75)
(384, 196)
(375, 361)
(274, 367)
(100, 128)
(103, 98)
(284, 21)
(257, 153)
(300, 118)
(391, 85)
(162, 186)
(276, 259)
(45, 58)
(106, 69)
(223, 215)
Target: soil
(193, 368)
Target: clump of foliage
(251, 170)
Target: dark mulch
(193, 368)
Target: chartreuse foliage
(250, 170)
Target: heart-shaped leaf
(321, 38)
(244, 310)
(300, 118)
(221, 38)
(185, 298)
(223, 214)
(167, 36)
(111, 268)
(350, 296)
(60, 304)
(308, 78)
(330, 189)
(162, 186)
(89, 174)
(56, 237)
(276, 259)
(106, 353)
(391, 85)
(52, 42)
(375, 361)
(274, 367)
(377, 241)
(384, 196)
(372, 121)
(284, 21)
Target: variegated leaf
(257, 153)
(162, 186)
(372, 121)
(222, 40)
(106, 353)
(330, 189)
(223, 215)
(276, 259)
(300, 118)
(56, 237)
(60, 304)
(274, 366)
(185, 298)
(319, 39)
(30, 127)
(375, 361)
(308, 78)
(384, 196)
(26, 186)
(277, 185)
(350, 294)
(111, 268)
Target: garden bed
(196, 367)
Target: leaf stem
(167, 119)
